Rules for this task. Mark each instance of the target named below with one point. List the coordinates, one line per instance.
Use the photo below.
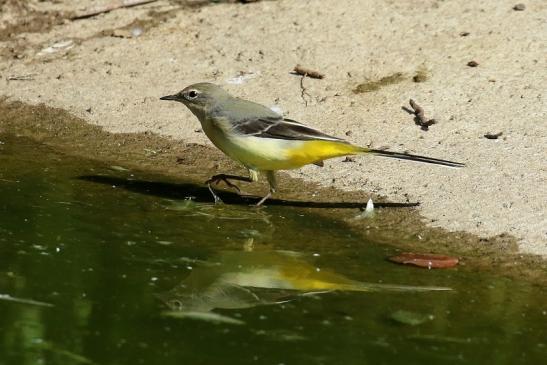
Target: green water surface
(102, 265)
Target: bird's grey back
(236, 109)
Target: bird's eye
(192, 94)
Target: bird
(263, 141)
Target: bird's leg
(216, 179)
(268, 196)
(273, 187)
(215, 196)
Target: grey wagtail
(264, 141)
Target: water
(124, 269)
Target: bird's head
(198, 97)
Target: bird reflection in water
(244, 279)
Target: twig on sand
(306, 72)
(493, 135)
(108, 8)
(303, 71)
(27, 77)
(420, 119)
(303, 90)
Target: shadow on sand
(201, 194)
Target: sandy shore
(111, 69)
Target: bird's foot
(218, 178)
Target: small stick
(493, 135)
(28, 77)
(303, 90)
(299, 70)
(421, 120)
(108, 8)
(9, 298)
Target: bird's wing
(280, 128)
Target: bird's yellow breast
(277, 154)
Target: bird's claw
(217, 179)
(230, 184)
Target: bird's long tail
(407, 156)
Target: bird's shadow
(201, 194)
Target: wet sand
(375, 58)
(396, 224)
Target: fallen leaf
(430, 261)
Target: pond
(103, 265)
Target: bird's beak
(169, 97)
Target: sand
(376, 55)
